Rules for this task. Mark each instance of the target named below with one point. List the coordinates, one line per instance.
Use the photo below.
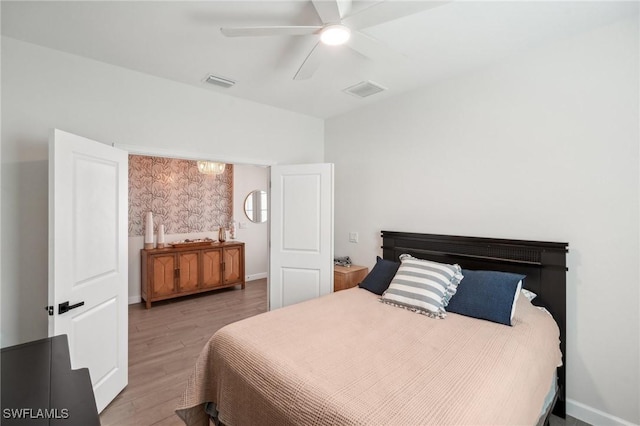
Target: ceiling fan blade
(328, 11)
(269, 31)
(374, 49)
(345, 7)
(312, 62)
(385, 11)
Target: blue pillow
(489, 295)
(378, 280)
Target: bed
(347, 359)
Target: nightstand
(346, 277)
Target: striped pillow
(423, 286)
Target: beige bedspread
(347, 359)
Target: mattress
(347, 359)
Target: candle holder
(160, 240)
(148, 231)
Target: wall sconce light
(211, 167)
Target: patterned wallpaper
(180, 197)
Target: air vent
(364, 89)
(219, 81)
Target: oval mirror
(255, 206)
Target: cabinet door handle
(176, 273)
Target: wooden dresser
(345, 277)
(174, 272)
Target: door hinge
(49, 309)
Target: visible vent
(364, 89)
(219, 81)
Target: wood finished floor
(165, 341)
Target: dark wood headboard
(544, 264)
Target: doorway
(190, 206)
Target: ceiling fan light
(335, 35)
(210, 167)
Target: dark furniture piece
(544, 264)
(40, 388)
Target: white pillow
(515, 299)
(528, 294)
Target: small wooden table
(345, 277)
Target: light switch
(242, 225)
(353, 237)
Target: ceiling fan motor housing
(335, 34)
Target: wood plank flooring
(165, 341)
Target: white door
(301, 254)
(88, 257)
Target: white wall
(44, 88)
(544, 146)
(254, 235)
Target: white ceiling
(181, 41)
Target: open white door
(301, 253)
(88, 198)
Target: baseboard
(254, 277)
(594, 416)
(134, 299)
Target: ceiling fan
(339, 27)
